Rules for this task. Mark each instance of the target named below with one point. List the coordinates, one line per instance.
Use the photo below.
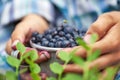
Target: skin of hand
(107, 26)
(24, 29)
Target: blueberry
(58, 44)
(45, 43)
(75, 34)
(68, 30)
(53, 40)
(66, 43)
(60, 39)
(73, 44)
(34, 34)
(49, 36)
(44, 39)
(71, 40)
(68, 36)
(59, 28)
(61, 33)
(49, 31)
(33, 39)
(56, 37)
(39, 37)
(54, 33)
(51, 44)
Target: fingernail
(14, 44)
(43, 76)
(43, 56)
(87, 38)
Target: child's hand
(24, 29)
(107, 27)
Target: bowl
(43, 47)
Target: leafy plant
(89, 74)
(30, 57)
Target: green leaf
(51, 78)
(21, 47)
(56, 68)
(64, 56)
(82, 43)
(2, 77)
(10, 75)
(94, 55)
(13, 61)
(72, 76)
(33, 55)
(23, 70)
(78, 60)
(35, 76)
(35, 68)
(111, 72)
(93, 38)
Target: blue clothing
(79, 13)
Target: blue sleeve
(16, 9)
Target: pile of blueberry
(58, 37)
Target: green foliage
(13, 61)
(29, 57)
(78, 60)
(93, 38)
(51, 78)
(10, 75)
(64, 56)
(56, 68)
(82, 43)
(34, 68)
(72, 76)
(20, 47)
(94, 55)
(35, 76)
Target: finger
(106, 60)
(73, 68)
(19, 33)
(80, 51)
(102, 25)
(108, 43)
(8, 46)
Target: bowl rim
(43, 47)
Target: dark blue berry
(44, 39)
(51, 44)
(45, 43)
(34, 34)
(56, 37)
(66, 43)
(53, 40)
(61, 33)
(68, 36)
(33, 39)
(49, 36)
(59, 28)
(39, 37)
(54, 33)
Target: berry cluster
(58, 37)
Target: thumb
(19, 35)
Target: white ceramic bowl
(43, 47)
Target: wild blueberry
(68, 36)
(45, 43)
(34, 40)
(51, 44)
(61, 33)
(39, 37)
(49, 36)
(66, 43)
(34, 34)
